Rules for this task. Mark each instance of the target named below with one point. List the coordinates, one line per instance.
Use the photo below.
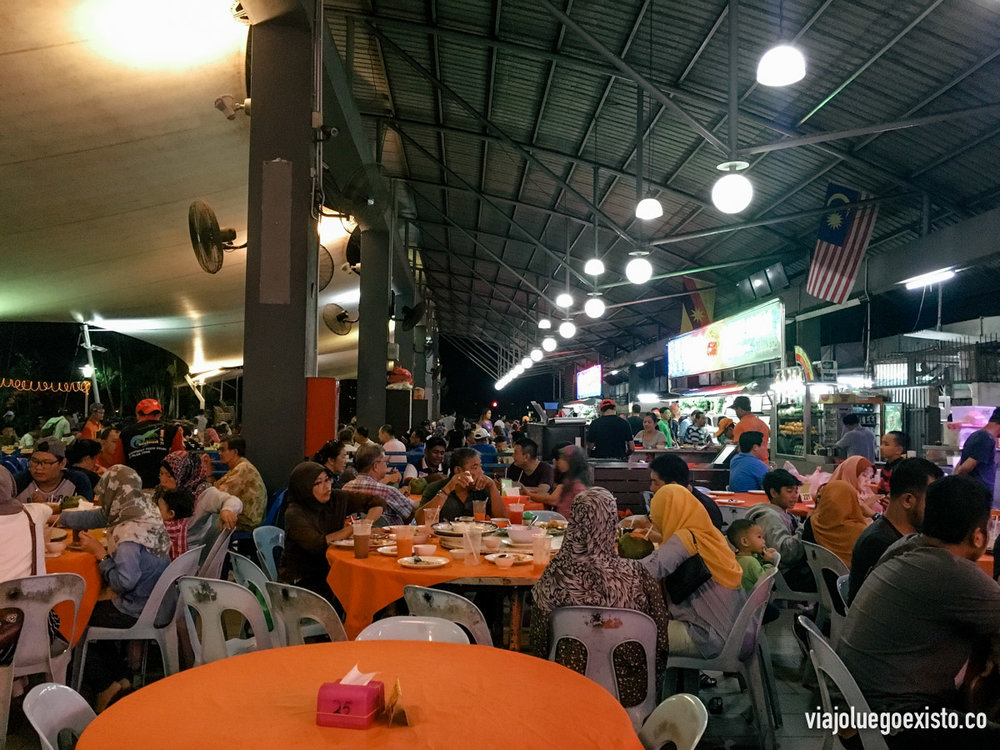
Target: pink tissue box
(350, 706)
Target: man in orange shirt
(747, 421)
(93, 425)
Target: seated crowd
(922, 619)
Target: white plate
(755, 492)
(555, 544)
(388, 551)
(343, 543)
(519, 557)
(53, 554)
(425, 562)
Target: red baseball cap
(148, 406)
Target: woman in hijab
(192, 472)
(587, 571)
(136, 555)
(700, 624)
(16, 522)
(858, 472)
(837, 521)
(315, 516)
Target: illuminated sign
(588, 382)
(752, 336)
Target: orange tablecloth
(747, 499)
(455, 697)
(366, 586)
(83, 564)
(986, 563)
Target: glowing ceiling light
(733, 192)
(929, 279)
(499, 384)
(648, 209)
(639, 270)
(536, 354)
(518, 370)
(527, 362)
(594, 267)
(334, 228)
(567, 330)
(594, 307)
(782, 65)
(549, 344)
(544, 324)
(564, 300)
(639, 364)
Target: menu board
(588, 382)
(744, 339)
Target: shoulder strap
(34, 542)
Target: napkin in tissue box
(353, 702)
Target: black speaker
(776, 276)
(759, 282)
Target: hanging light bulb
(544, 324)
(564, 300)
(732, 192)
(648, 209)
(536, 354)
(518, 370)
(639, 270)
(549, 344)
(567, 330)
(526, 362)
(594, 267)
(594, 307)
(781, 65)
(499, 384)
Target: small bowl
(56, 548)
(491, 543)
(520, 534)
(424, 550)
(457, 554)
(501, 523)
(504, 562)
(420, 539)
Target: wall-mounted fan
(412, 316)
(364, 194)
(352, 252)
(207, 239)
(337, 319)
(324, 269)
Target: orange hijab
(674, 510)
(851, 470)
(837, 521)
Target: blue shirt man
(747, 469)
(979, 455)
(859, 441)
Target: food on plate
(634, 548)
(73, 501)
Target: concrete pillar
(373, 328)
(279, 341)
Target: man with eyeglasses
(47, 479)
(372, 465)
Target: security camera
(228, 106)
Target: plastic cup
(479, 510)
(491, 543)
(472, 540)
(404, 540)
(515, 512)
(431, 516)
(362, 538)
(540, 549)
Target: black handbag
(689, 576)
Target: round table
(364, 587)
(85, 565)
(455, 697)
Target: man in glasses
(47, 479)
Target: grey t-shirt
(859, 442)
(914, 624)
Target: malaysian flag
(698, 306)
(842, 241)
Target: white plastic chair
(157, 621)
(742, 655)
(211, 598)
(266, 538)
(51, 708)
(681, 719)
(826, 662)
(291, 605)
(211, 566)
(844, 589)
(248, 575)
(34, 596)
(826, 568)
(426, 602)
(601, 630)
(414, 629)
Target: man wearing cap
(146, 443)
(749, 422)
(609, 436)
(482, 437)
(93, 424)
(725, 432)
(47, 479)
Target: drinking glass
(472, 540)
(540, 548)
(362, 538)
(479, 510)
(404, 540)
(515, 512)
(431, 516)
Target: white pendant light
(499, 384)
(564, 300)
(648, 209)
(544, 324)
(567, 329)
(518, 370)
(549, 344)
(639, 270)
(536, 354)
(782, 65)
(594, 307)
(594, 267)
(733, 192)
(527, 362)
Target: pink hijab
(851, 472)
